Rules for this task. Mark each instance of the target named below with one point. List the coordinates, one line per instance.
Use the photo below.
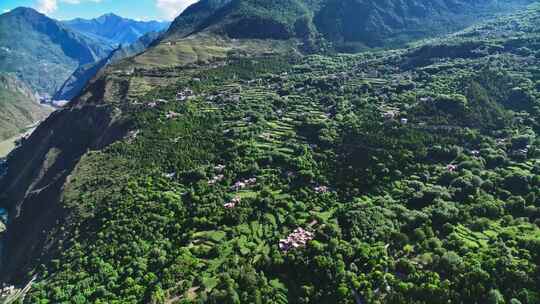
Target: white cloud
(50, 6)
(47, 6)
(170, 9)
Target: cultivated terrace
(404, 176)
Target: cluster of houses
(7, 291)
(390, 114)
(297, 239)
(394, 114)
(227, 94)
(170, 175)
(172, 115)
(523, 152)
(452, 168)
(184, 95)
(502, 141)
(152, 104)
(239, 185)
(216, 179)
(232, 204)
(267, 136)
(321, 189)
(132, 135)
(10, 294)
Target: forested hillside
(239, 173)
(348, 25)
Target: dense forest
(395, 176)
(345, 25)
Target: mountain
(42, 52)
(78, 80)
(348, 24)
(221, 167)
(19, 107)
(115, 29)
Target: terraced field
(408, 176)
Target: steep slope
(350, 25)
(42, 52)
(389, 23)
(19, 107)
(193, 18)
(79, 79)
(116, 29)
(403, 176)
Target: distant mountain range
(76, 82)
(45, 53)
(115, 29)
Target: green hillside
(398, 176)
(348, 25)
(19, 108)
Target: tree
(495, 297)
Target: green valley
(226, 164)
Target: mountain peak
(115, 28)
(24, 11)
(110, 16)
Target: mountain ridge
(380, 23)
(116, 29)
(32, 45)
(79, 79)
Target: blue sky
(135, 9)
